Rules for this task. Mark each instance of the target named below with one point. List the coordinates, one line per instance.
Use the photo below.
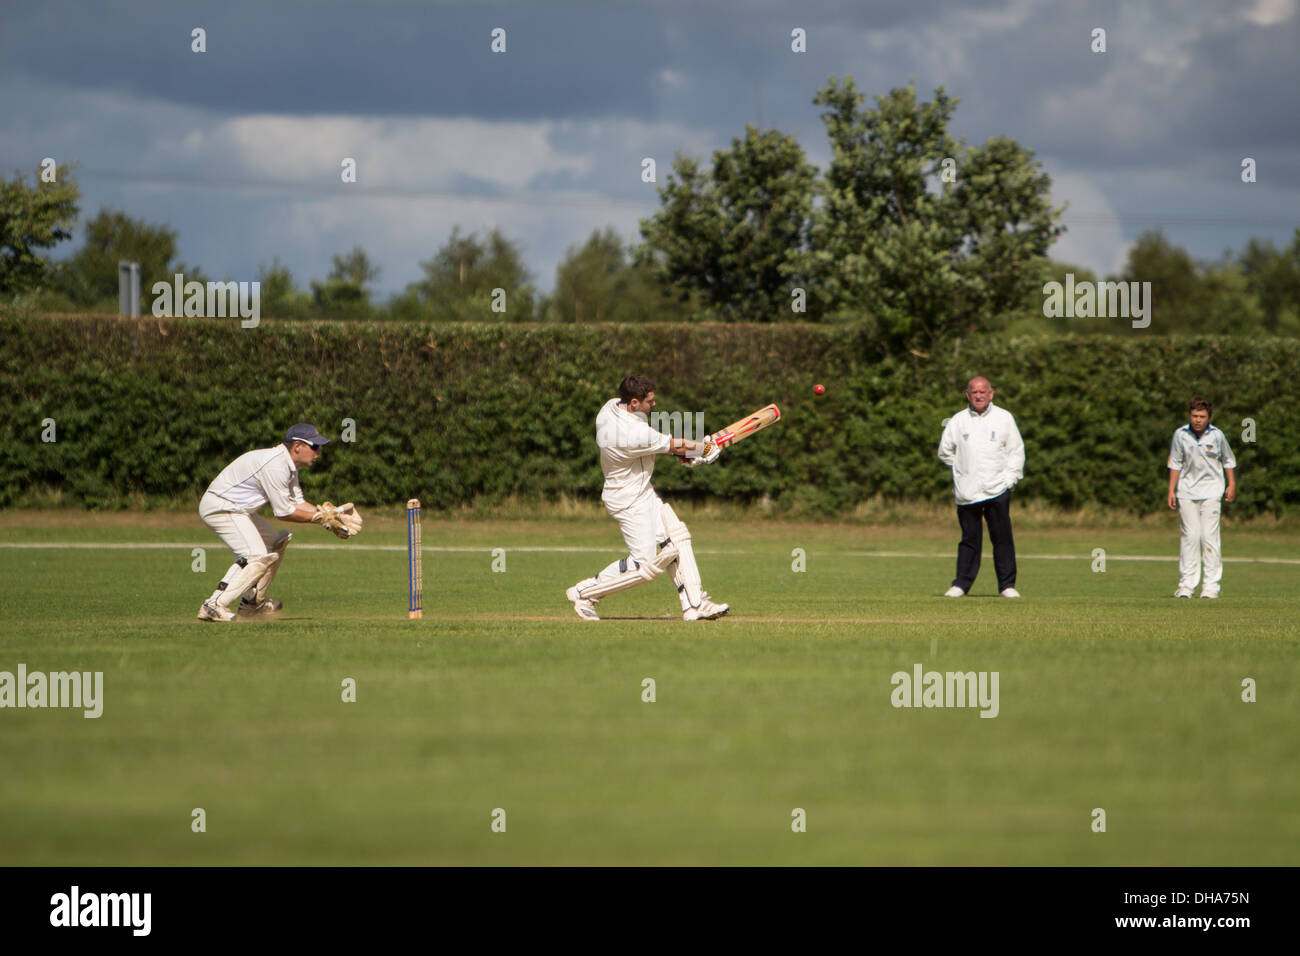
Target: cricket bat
(746, 426)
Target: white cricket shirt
(628, 446)
(254, 478)
(985, 452)
(1200, 462)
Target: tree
(90, 279)
(1274, 276)
(1229, 306)
(585, 279)
(734, 235)
(1027, 318)
(31, 219)
(1178, 295)
(461, 280)
(344, 290)
(597, 282)
(930, 236)
(281, 299)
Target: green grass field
(1112, 695)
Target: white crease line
(1060, 557)
(142, 546)
(148, 546)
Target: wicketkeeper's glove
(343, 520)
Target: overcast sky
(239, 148)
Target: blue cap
(307, 433)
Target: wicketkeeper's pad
(264, 582)
(247, 577)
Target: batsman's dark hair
(1200, 404)
(634, 386)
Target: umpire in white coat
(983, 447)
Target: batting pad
(686, 573)
(595, 590)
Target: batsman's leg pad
(615, 568)
(633, 575)
(686, 574)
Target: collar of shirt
(285, 452)
(639, 416)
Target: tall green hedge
(457, 413)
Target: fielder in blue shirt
(1202, 470)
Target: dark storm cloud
(342, 58)
(245, 140)
(707, 65)
(1242, 87)
(1166, 92)
(566, 60)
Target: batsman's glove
(710, 454)
(343, 520)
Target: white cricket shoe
(214, 612)
(585, 609)
(707, 611)
(1183, 592)
(1009, 592)
(1209, 594)
(954, 591)
(252, 607)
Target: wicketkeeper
(657, 540)
(229, 508)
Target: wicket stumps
(414, 563)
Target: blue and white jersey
(1199, 461)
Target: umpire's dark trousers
(997, 512)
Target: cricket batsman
(229, 508)
(657, 540)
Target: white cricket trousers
(642, 524)
(1199, 523)
(247, 534)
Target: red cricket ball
(819, 389)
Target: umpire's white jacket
(985, 452)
